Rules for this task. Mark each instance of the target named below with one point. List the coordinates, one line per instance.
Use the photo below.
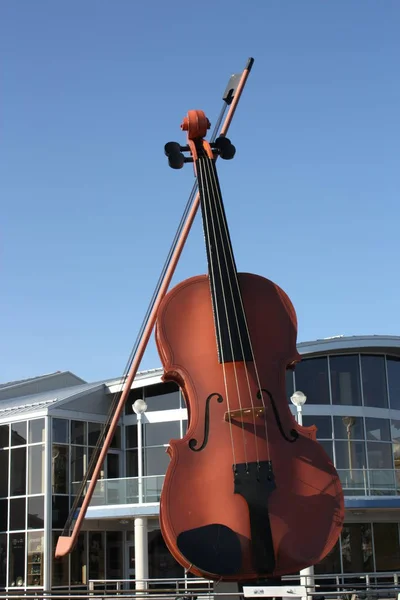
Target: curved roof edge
(340, 344)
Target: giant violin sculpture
(248, 492)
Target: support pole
(141, 553)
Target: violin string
(210, 179)
(201, 179)
(217, 193)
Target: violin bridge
(244, 414)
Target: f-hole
(193, 443)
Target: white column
(48, 556)
(140, 458)
(141, 553)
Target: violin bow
(66, 543)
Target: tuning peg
(225, 148)
(176, 160)
(172, 148)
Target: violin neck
(233, 343)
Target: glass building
(49, 426)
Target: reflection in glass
(131, 436)
(156, 434)
(345, 380)
(59, 468)
(374, 381)
(16, 575)
(387, 549)
(162, 564)
(3, 515)
(60, 510)
(18, 472)
(3, 559)
(94, 430)
(349, 427)
(396, 456)
(379, 455)
(156, 461)
(162, 396)
(78, 463)
(78, 561)
(4, 439)
(322, 423)
(393, 371)
(311, 377)
(36, 469)
(36, 512)
(350, 455)
(331, 562)
(17, 514)
(357, 548)
(114, 559)
(78, 432)
(96, 555)
(131, 463)
(18, 433)
(4, 473)
(36, 431)
(60, 566)
(35, 558)
(377, 429)
(60, 431)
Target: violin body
(248, 492)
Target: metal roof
(387, 343)
(37, 402)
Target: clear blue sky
(91, 91)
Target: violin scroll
(196, 124)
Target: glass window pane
(18, 434)
(379, 455)
(60, 566)
(184, 427)
(131, 463)
(156, 461)
(3, 515)
(17, 514)
(289, 383)
(94, 433)
(78, 561)
(395, 430)
(96, 555)
(4, 473)
(36, 512)
(78, 432)
(60, 431)
(17, 560)
(349, 428)
(116, 441)
(115, 553)
(60, 471)
(374, 381)
(18, 472)
(60, 511)
(350, 455)
(36, 470)
(357, 548)
(35, 558)
(345, 380)
(322, 423)
(328, 447)
(393, 370)
(377, 429)
(311, 378)
(162, 396)
(78, 463)
(3, 560)
(4, 439)
(156, 434)
(331, 562)
(131, 436)
(387, 549)
(36, 431)
(161, 562)
(396, 456)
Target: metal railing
(363, 482)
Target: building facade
(49, 427)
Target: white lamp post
(306, 575)
(140, 407)
(298, 399)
